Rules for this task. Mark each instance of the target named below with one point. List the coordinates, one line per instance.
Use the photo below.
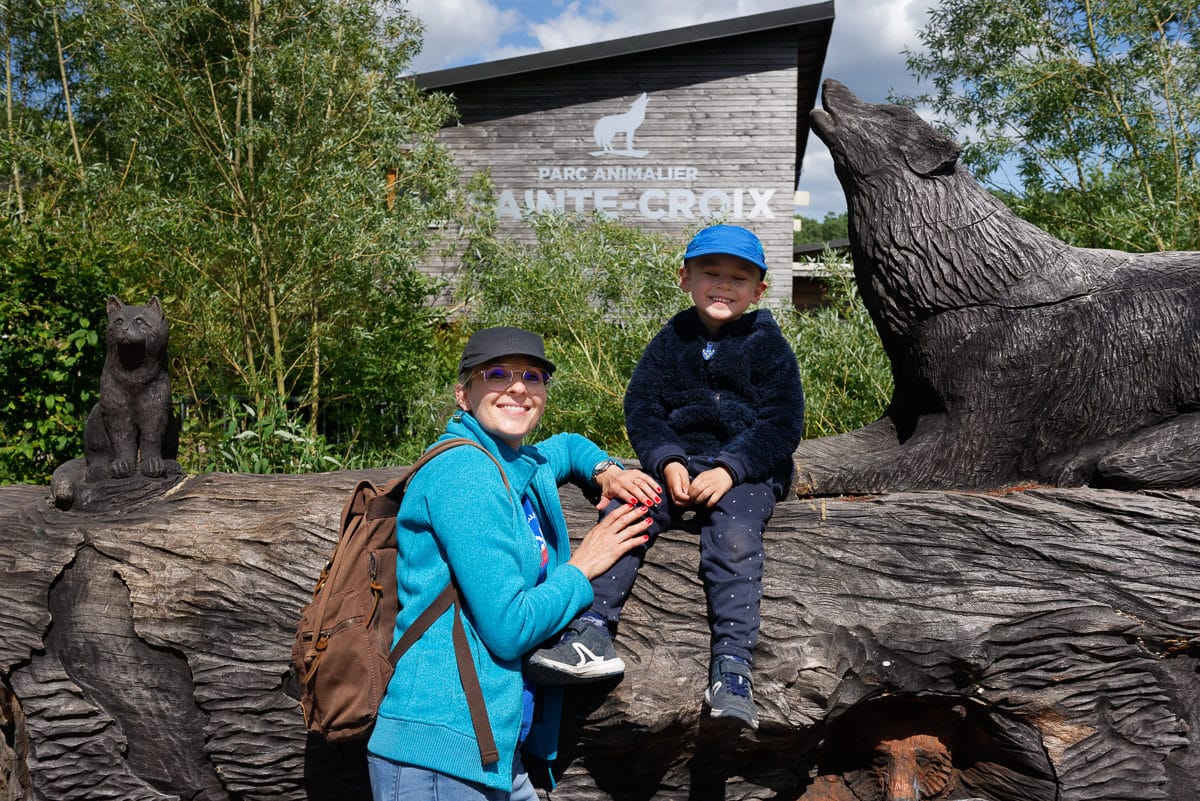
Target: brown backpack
(342, 655)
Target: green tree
(847, 375)
(265, 168)
(596, 290)
(52, 324)
(833, 226)
(1095, 102)
(266, 138)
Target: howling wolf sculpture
(1016, 358)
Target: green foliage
(1096, 102)
(264, 135)
(428, 405)
(265, 169)
(834, 226)
(597, 291)
(52, 325)
(243, 440)
(847, 376)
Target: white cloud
(459, 31)
(866, 54)
(866, 48)
(583, 23)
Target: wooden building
(663, 131)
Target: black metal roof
(815, 249)
(814, 22)
(721, 29)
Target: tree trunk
(1041, 644)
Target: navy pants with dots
(731, 562)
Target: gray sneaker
(730, 694)
(583, 653)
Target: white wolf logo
(607, 128)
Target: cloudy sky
(865, 50)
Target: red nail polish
(633, 501)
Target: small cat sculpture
(128, 431)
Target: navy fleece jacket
(743, 407)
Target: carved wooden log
(1036, 645)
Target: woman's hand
(627, 485)
(610, 539)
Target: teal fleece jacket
(457, 516)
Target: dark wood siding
(718, 137)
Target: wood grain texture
(146, 648)
(1015, 356)
(733, 111)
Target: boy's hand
(708, 487)
(627, 485)
(678, 483)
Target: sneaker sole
(546, 672)
(729, 715)
(733, 717)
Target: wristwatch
(604, 465)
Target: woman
(508, 553)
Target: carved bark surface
(1049, 639)
(1016, 358)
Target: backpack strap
(386, 504)
(448, 599)
(333, 569)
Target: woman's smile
(509, 414)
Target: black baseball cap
(490, 344)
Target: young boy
(714, 411)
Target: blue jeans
(396, 781)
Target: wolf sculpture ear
(930, 152)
